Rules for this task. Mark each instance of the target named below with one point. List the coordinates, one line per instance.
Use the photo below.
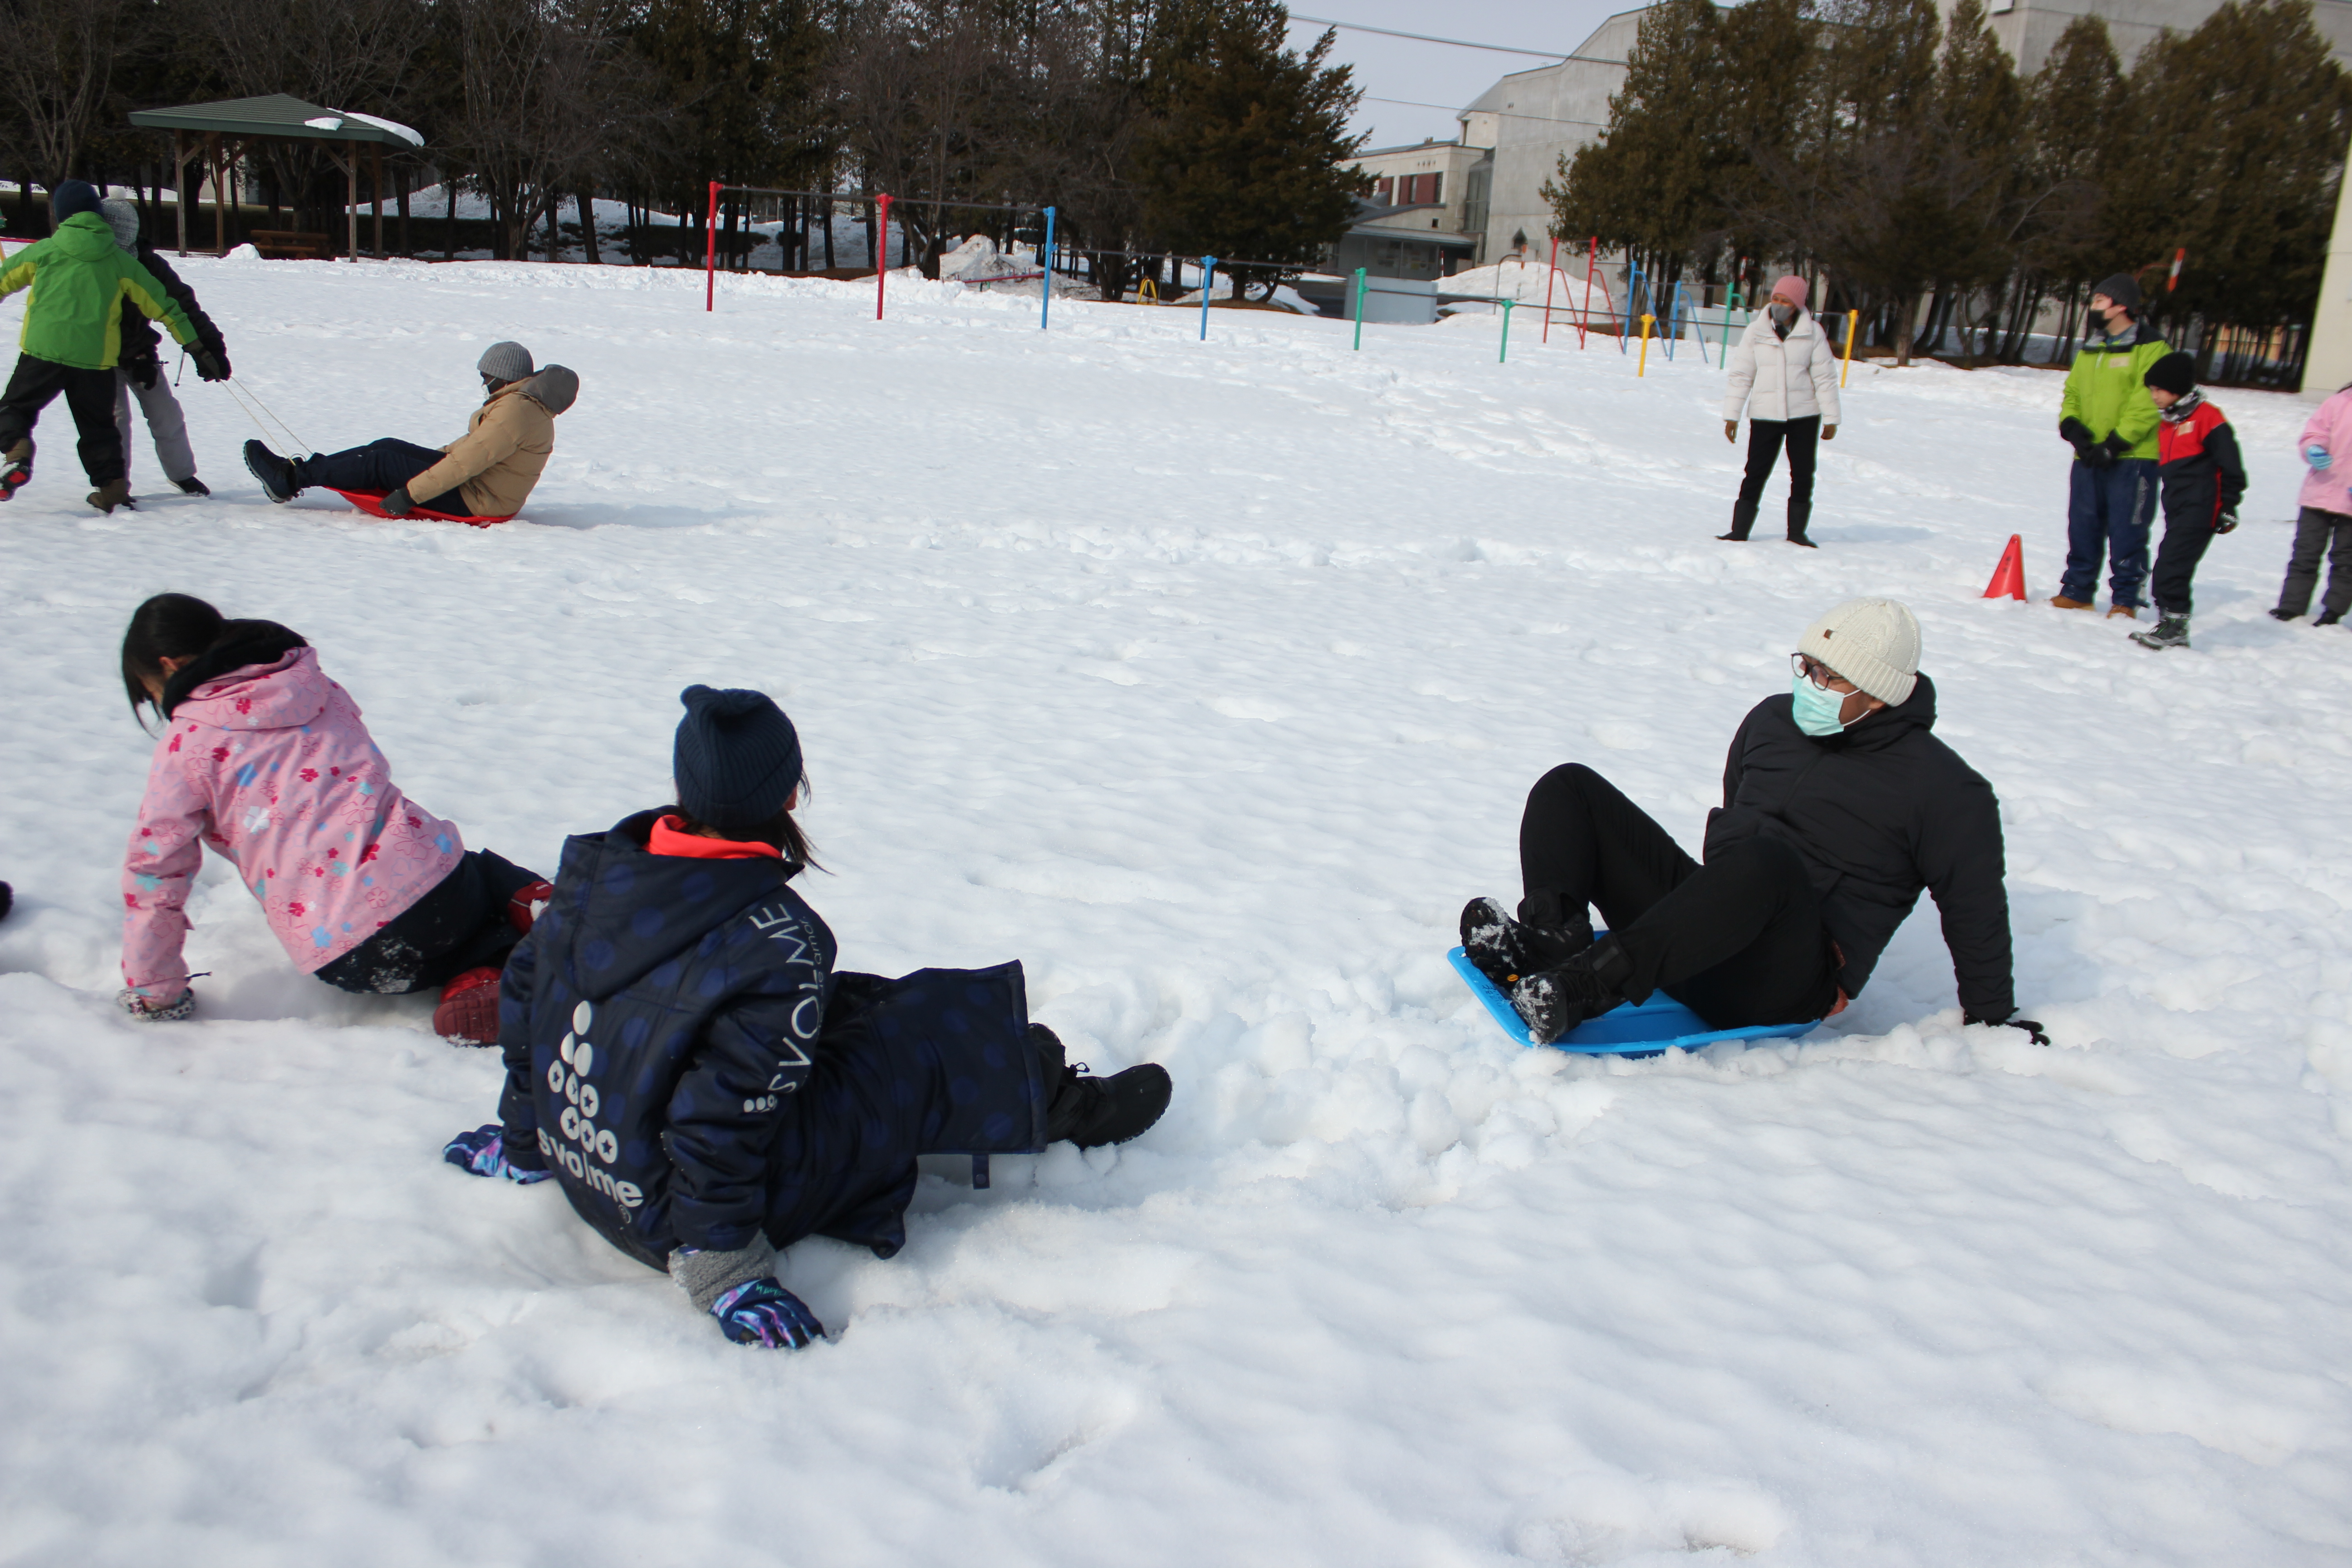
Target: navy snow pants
(383, 465)
(2108, 512)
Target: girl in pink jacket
(2325, 520)
(265, 760)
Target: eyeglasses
(1821, 674)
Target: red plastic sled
(372, 503)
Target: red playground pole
(881, 252)
(1591, 265)
(1549, 278)
(710, 250)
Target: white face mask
(1818, 710)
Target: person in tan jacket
(484, 476)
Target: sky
(1423, 74)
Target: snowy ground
(1206, 679)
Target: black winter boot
(1586, 986)
(280, 477)
(1090, 1112)
(1503, 949)
(1743, 522)
(1800, 512)
(2171, 631)
(193, 486)
(2327, 617)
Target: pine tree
(2072, 121)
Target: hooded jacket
(1782, 378)
(1879, 812)
(265, 760)
(504, 448)
(140, 341)
(2197, 463)
(2107, 389)
(80, 278)
(2330, 426)
(681, 1054)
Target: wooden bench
(286, 245)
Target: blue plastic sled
(1661, 1024)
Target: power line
(1499, 114)
(1457, 43)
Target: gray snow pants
(2315, 530)
(165, 423)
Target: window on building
(1385, 192)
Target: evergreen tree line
(1906, 161)
(1153, 126)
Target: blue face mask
(1817, 708)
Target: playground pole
(1643, 369)
(1731, 296)
(1674, 322)
(1549, 278)
(1852, 319)
(1208, 278)
(881, 251)
(1506, 354)
(1591, 265)
(1046, 306)
(1360, 306)
(711, 250)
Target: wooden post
(351, 181)
(220, 213)
(376, 192)
(180, 183)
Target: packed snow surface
(1207, 678)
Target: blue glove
(133, 1003)
(482, 1153)
(764, 1312)
(2317, 456)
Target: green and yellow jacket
(78, 276)
(2104, 390)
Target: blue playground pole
(1633, 280)
(1208, 278)
(1046, 306)
(1675, 322)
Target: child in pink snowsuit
(2325, 523)
(265, 760)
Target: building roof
(276, 114)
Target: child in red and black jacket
(2203, 479)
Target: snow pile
(242, 253)
(1207, 678)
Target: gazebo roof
(278, 114)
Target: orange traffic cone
(2008, 577)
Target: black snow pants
(89, 394)
(1738, 940)
(1765, 440)
(460, 924)
(2315, 532)
(2187, 536)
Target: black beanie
(738, 758)
(73, 196)
(2123, 289)
(2175, 373)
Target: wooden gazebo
(221, 132)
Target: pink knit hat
(1794, 288)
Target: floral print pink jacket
(271, 766)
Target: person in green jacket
(81, 280)
(2107, 418)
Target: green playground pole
(1731, 299)
(1359, 307)
(1506, 354)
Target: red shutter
(1385, 192)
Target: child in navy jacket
(2203, 478)
(684, 1060)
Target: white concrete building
(2029, 29)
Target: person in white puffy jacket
(1784, 373)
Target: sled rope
(253, 410)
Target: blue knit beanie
(738, 758)
(72, 197)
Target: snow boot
(1559, 999)
(469, 1012)
(2283, 614)
(1800, 514)
(112, 494)
(1743, 522)
(1503, 949)
(19, 468)
(7, 900)
(2327, 617)
(2061, 601)
(2128, 612)
(278, 480)
(193, 486)
(2171, 631)
(1092, 1111)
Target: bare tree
(57, 65)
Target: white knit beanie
(1875, 643)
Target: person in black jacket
(1838, 808)
(2203, 478)
(140, 372)
(682, 1057)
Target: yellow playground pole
(1643, 368)
(1852, 319)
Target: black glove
(2075, 433)
(210, 366)
(2112, 450)
(2032, 1028)
(398, 504)
(2226, 523)
(144, 372)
